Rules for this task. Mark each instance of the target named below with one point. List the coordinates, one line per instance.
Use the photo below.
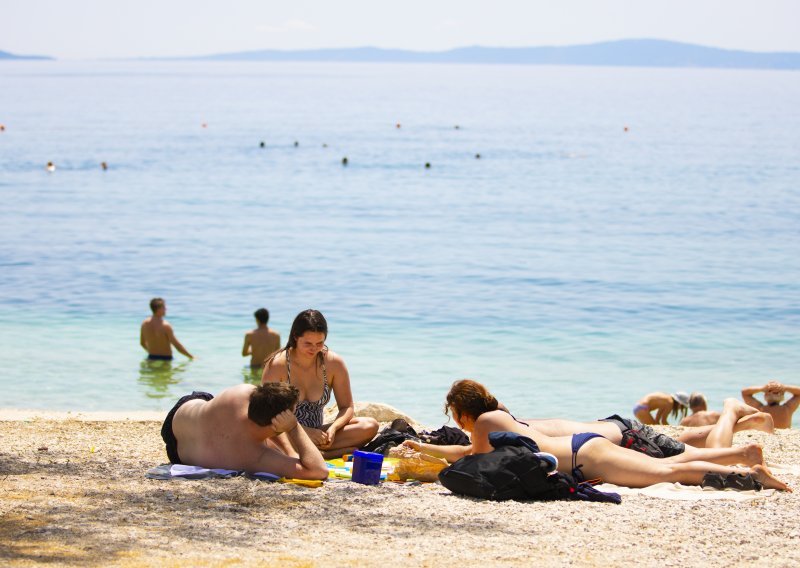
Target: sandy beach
(73, 492)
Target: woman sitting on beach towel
(583, 455)
(663, 404)
(307, 363)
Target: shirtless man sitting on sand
(261, 342)
(239, 430)
(773, 396)
(156, 335)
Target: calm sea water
(572, 268)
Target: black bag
(445, 436)
(515, 472)
(386, 440)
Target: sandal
(736, 481)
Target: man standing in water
(157, 337)
(261, 342)
(774, 392)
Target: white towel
(679, 492)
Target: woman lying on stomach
(583, 455)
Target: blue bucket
(367, 467)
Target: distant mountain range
(7, 55)
(623, 53)
(629, 53)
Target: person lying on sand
(709, 443)
(701, 415)
(774, 392)
(238, 430)
(584, 455)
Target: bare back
(781, 413)
(155, 336)
(218, 434)
(555, 427)
(499, 421)
(701, 418)
(263, 342)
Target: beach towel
(180, 471)
(679, 492)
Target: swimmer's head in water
(698, 402)
(269, 400)
(156, 304)
(262, 315)
(469, 398)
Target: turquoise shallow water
(572, 268)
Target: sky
(90, 29)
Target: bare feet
(769, 481)
(758, 421)
(753, 455)
(737, 407)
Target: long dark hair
(307, 320)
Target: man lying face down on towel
(238, 429)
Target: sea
(572, 237)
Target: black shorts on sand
(669, 446)
(166, 430)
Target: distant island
(7, 55)
(625, 53)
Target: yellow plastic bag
(412, 464)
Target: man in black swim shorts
(243, 428)
(166, 430)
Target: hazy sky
(74, 29)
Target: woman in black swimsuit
(582, 455)
(307, 363)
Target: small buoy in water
(344, 161)
(51, 167)
(456, 127)
(398, 125)
(427, 165)
(625, 129)
(296, 143)
(104, 166)
(262, 144)
(204, 125)
(477, 156)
